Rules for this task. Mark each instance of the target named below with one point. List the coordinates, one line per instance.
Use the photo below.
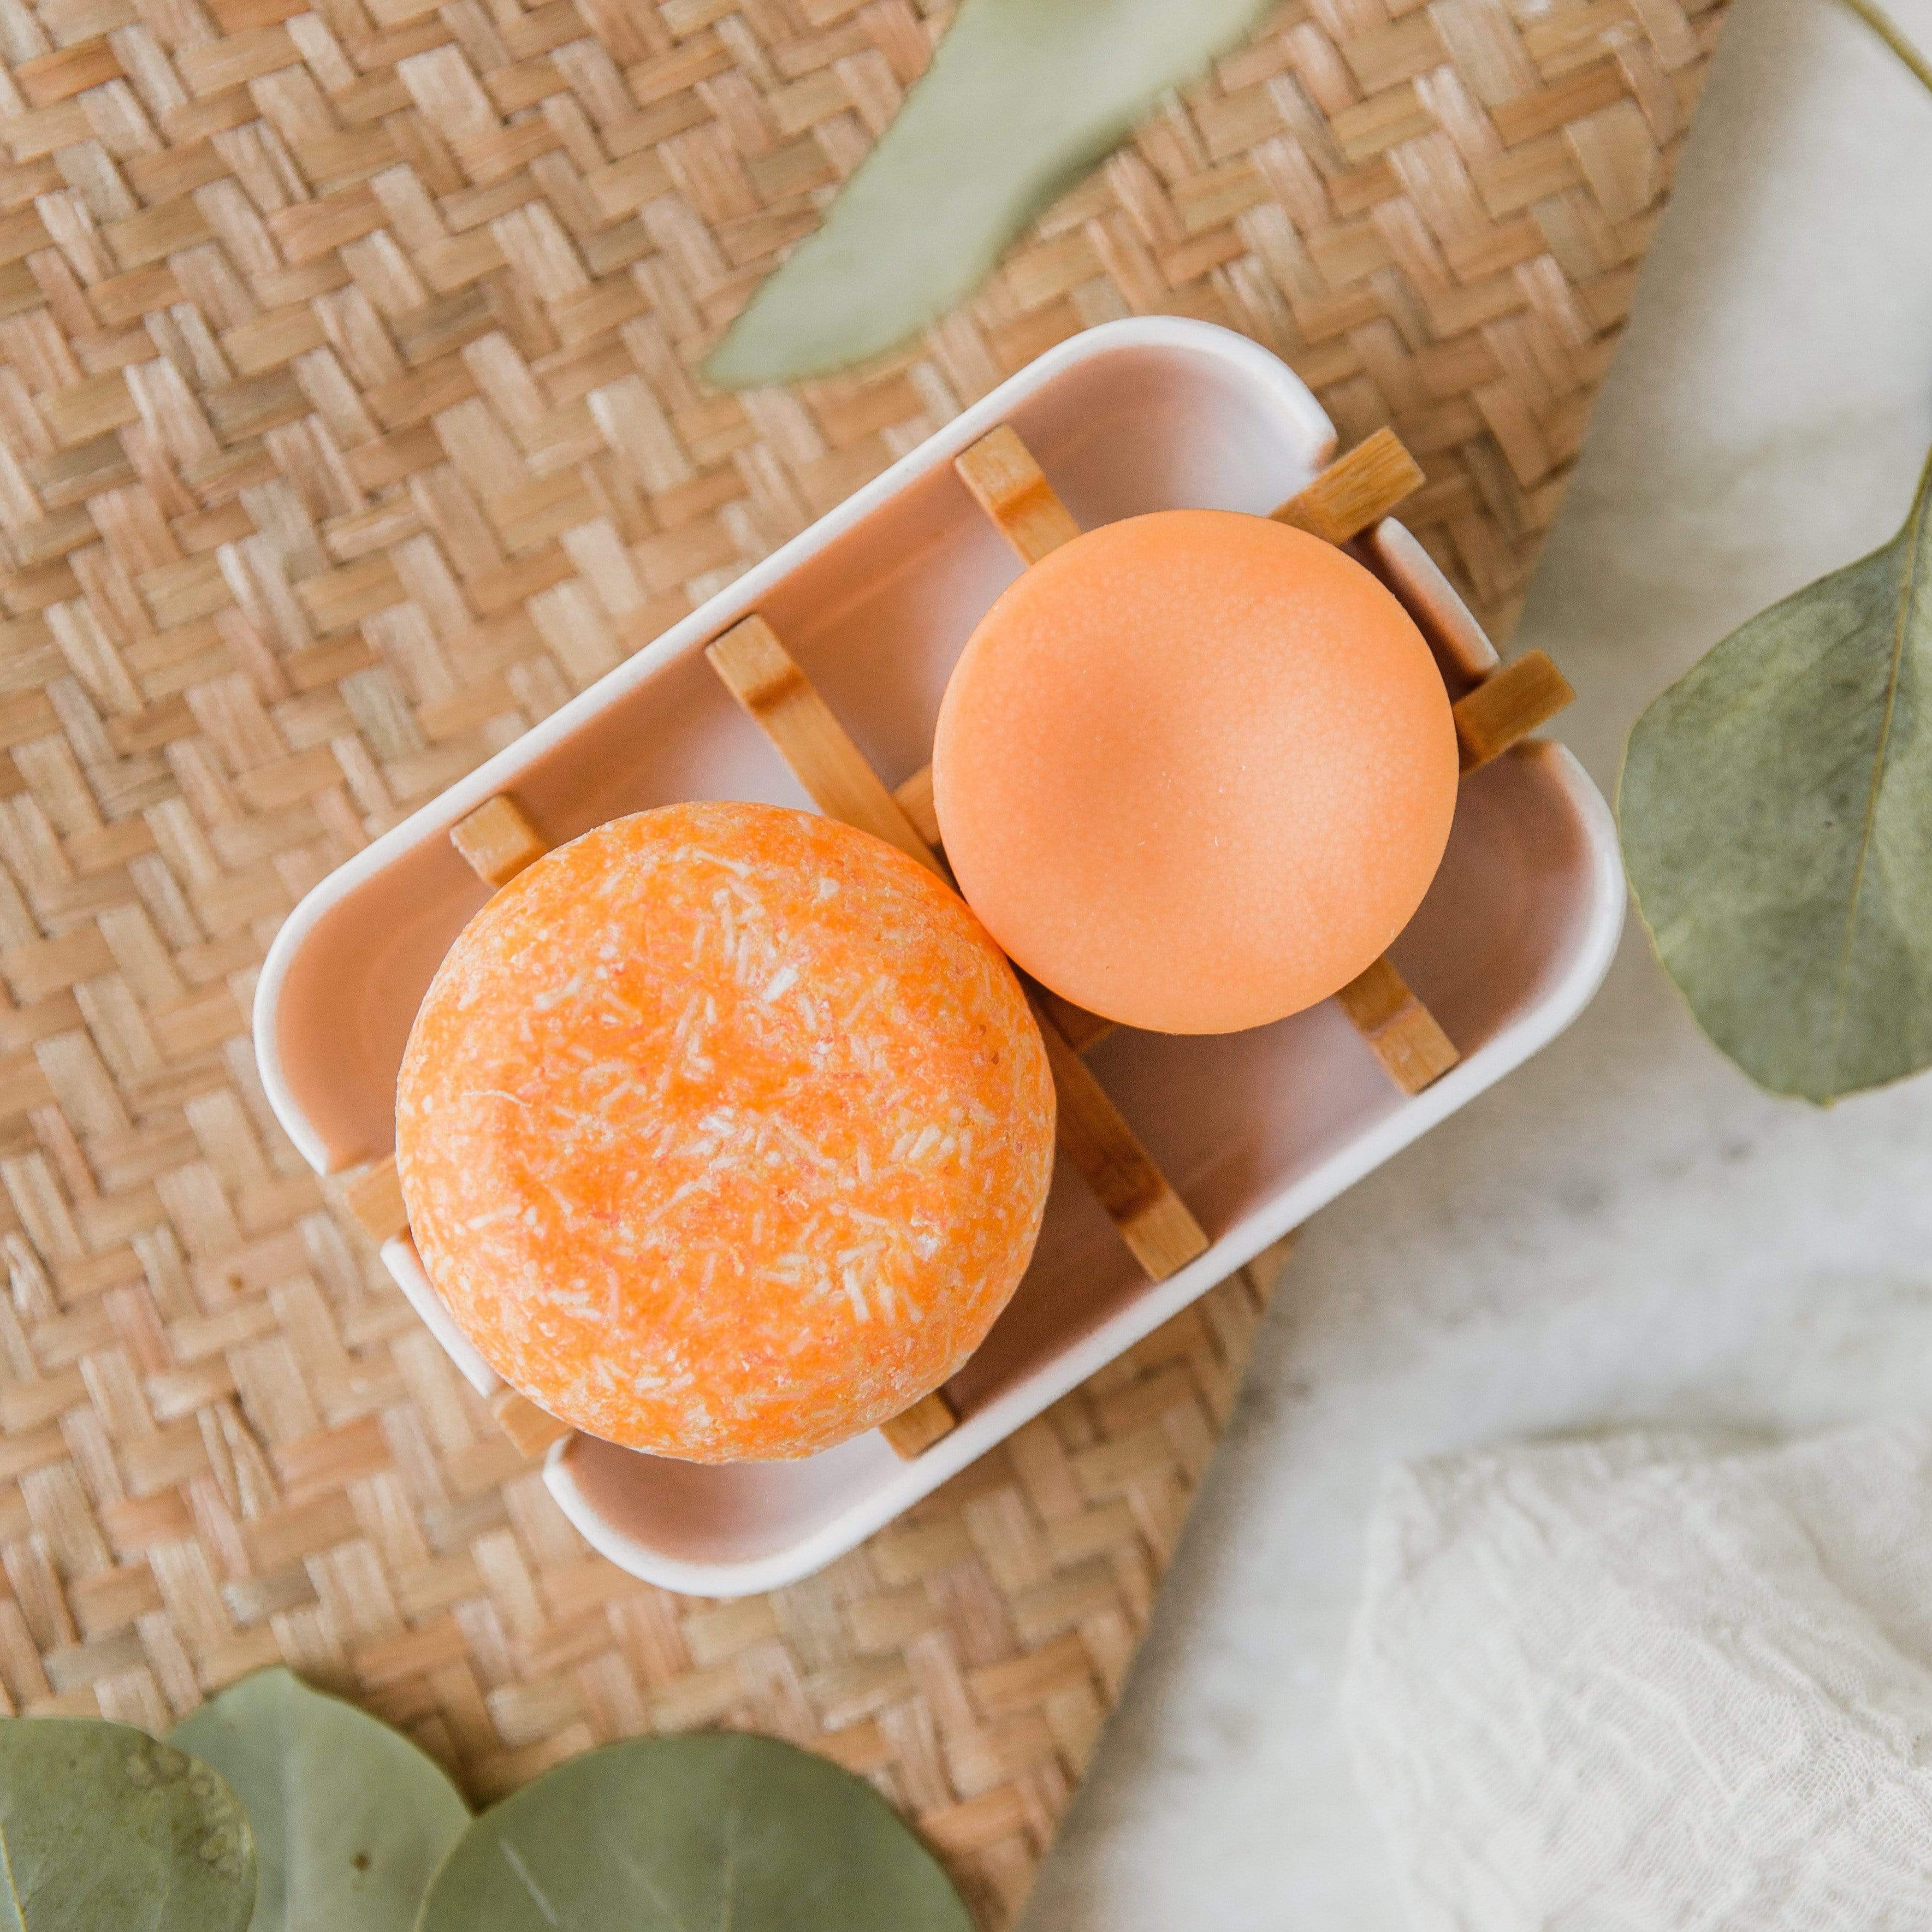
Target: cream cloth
(1654, 1683)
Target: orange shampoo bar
(1195, 770)
(725, 1132)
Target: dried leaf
(1022, 97)
(711, 1829)
(1776, 815)
(104, 1830)
(351, 1819)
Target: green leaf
(1022, 97)
(713, 1831)
(351, 1819)
(104, 1830)
(1777, 815)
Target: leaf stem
(1888, 30)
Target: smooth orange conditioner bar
(1195, 770)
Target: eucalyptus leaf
(104, 1830)
(351, 1819)
(701, 1833)
(1776, 808)
(1022, 97)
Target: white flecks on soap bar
(725, 1132)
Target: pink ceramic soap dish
(1255, 1130)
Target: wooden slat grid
(348, 424)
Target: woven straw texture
(349, 424)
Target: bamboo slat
(1162, 1235)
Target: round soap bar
(725, 1132)
(1195, 770)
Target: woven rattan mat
(348, 424)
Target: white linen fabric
(1654, 1683)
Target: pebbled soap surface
(725, 1132)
